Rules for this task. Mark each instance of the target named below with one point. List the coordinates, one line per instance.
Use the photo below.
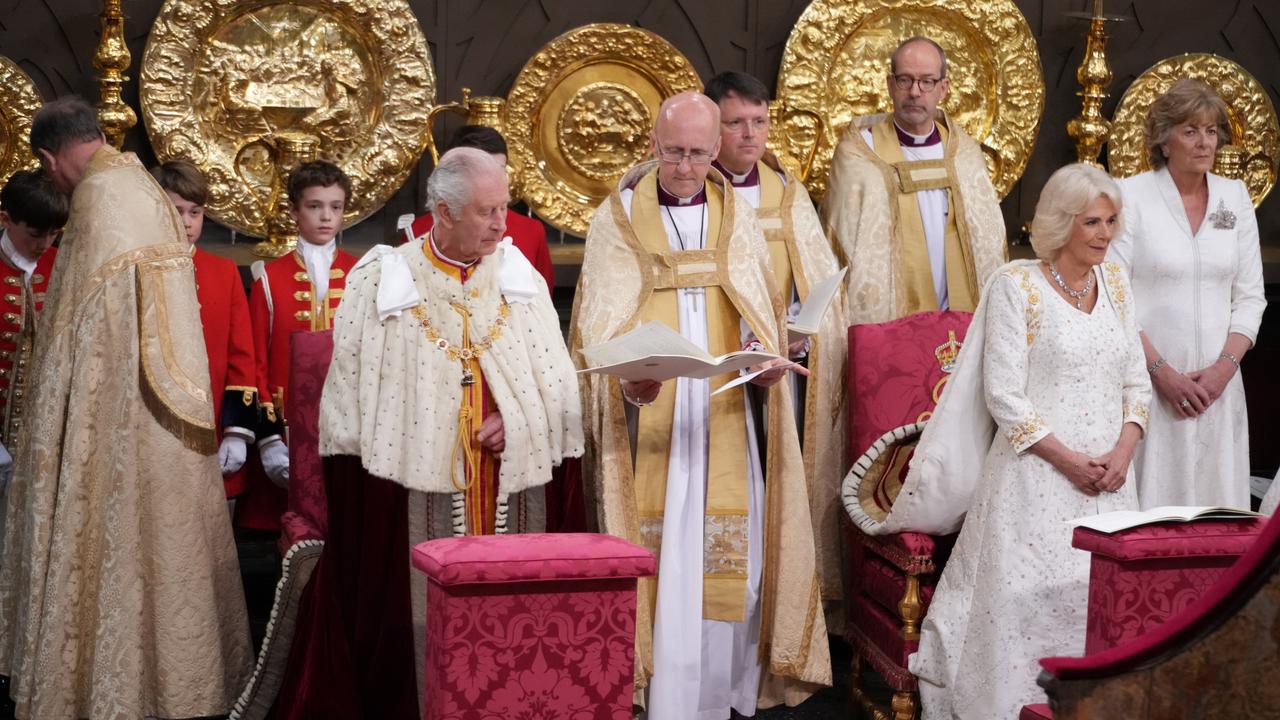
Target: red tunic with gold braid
(228, 337)
(293, 306)
(18, 313)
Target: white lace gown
(1191, 291)
(1014, 590)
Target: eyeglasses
(927, 84)
(736, 126)
(674, 157)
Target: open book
(654, 351)
(815, 306)
(1125, 519)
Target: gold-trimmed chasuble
(770, 218)
(725, 514)
(914, 176)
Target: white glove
(231, 453)
(275, 461)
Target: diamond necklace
(1077, 295)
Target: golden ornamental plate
(1250, 114)
(219, 79)
(579, 114)
(19, 102)
(836, 63)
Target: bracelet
(1232, 358)
(1153, 367)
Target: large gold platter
(837, 59)
(19, 102)
(1250, 114)
(219, 77)
(579, 115)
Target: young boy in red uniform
(224, 316)
(32, 213)
(299, 291)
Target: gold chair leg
(904, 706)
(861, 701)
(911, 608)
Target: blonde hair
(1069, 191)
(1184, 100)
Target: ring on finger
(1184, 404)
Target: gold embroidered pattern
(1032, 294)
(651, 533)
(724, 549)
(1138, 411)
(475, 349)
(1115, 286)
(1022, 432)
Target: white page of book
(815, 306)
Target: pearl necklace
(1077, 295)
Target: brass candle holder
(112, 59)
(1090, 129)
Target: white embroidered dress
(1191, 292)
(1014, 590)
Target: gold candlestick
(112, 59)
(1090, 130)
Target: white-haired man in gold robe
(733, 620)
(909, 204)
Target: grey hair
(451, 180)
(1069, 191)
(62, 122)
(942, 54)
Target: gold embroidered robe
(801, 257)
(617, 281)
(120, 593)
(865, 216)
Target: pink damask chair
(1144, 577)
(530, 625)
(1216, 657)
(896, 374)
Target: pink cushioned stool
(530, 625)
(1141, 577)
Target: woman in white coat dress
(1063, 378)
(1190, 246)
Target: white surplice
(1191, 291)
(702, 668)
(1014, 590)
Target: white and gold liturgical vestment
(801, 256)
(120, 593)
(737, 591)
(920, 228)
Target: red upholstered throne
(896, 374)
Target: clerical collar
(431, 237)
(28, 267)
(750, 178)
(911, 140)
(670, 199)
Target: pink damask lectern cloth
(530, 626)
(1141, 577)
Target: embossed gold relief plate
(1250, 114)
(837, 60)
(19, 102)
(579, 115)
(220, 80)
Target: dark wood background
(483, 44)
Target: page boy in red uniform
(299, 291)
